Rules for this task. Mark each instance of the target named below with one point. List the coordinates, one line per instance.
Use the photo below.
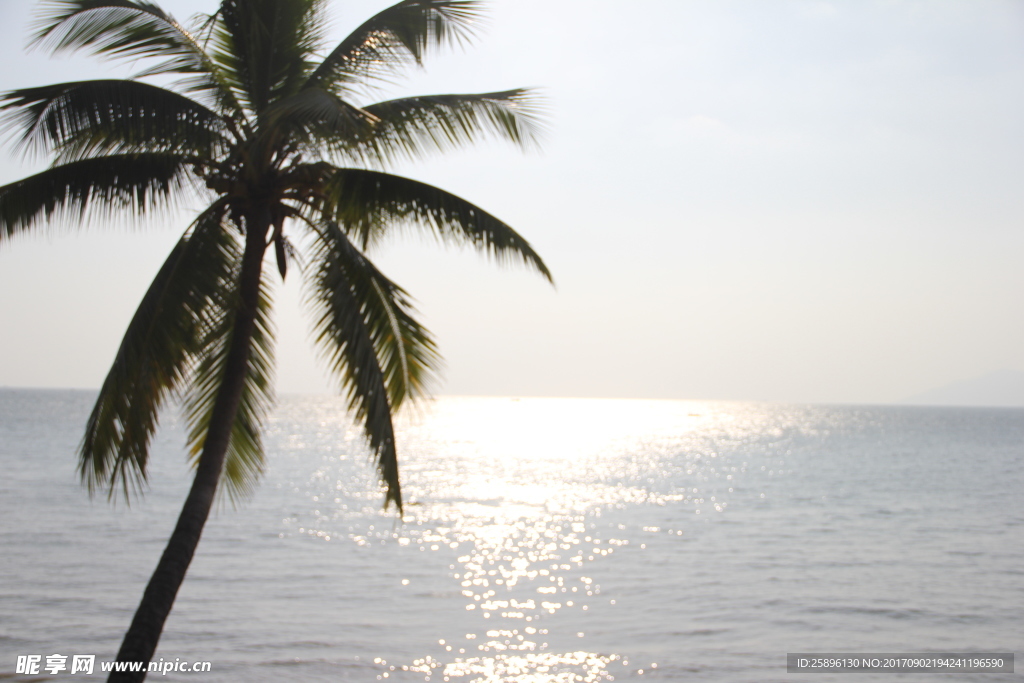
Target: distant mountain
(999, 388)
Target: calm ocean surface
(545, 540)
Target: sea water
(543, 541)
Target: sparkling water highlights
(514, 486)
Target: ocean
(544, 541)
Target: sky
(800, 201)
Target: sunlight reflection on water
(510, 486)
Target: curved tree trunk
(142, 637)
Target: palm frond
(268, 46)
(412, 126)
(317, 120)
(370, 342)
(367, 203)
(111, 117)
(405, 349)
(131, 30)
(398, 36)
(140, 183)
(153, 359)
(244, 461)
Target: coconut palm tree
(262, 121)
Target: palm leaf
(268, 46)
(154, 357)
(369, 341)
(132, 30)
(244, 460)
(317, 121)
(367, 203)
(395, 37)
(412, 126)
(405, 349)
(112, 116)
(140, 183)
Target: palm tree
(261, 121)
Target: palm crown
(261, 120)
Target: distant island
(1002, 388)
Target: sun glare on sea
(514, 491)
(515, 483)
(525, 450)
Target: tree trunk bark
(142, 637)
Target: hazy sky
(792, 201)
